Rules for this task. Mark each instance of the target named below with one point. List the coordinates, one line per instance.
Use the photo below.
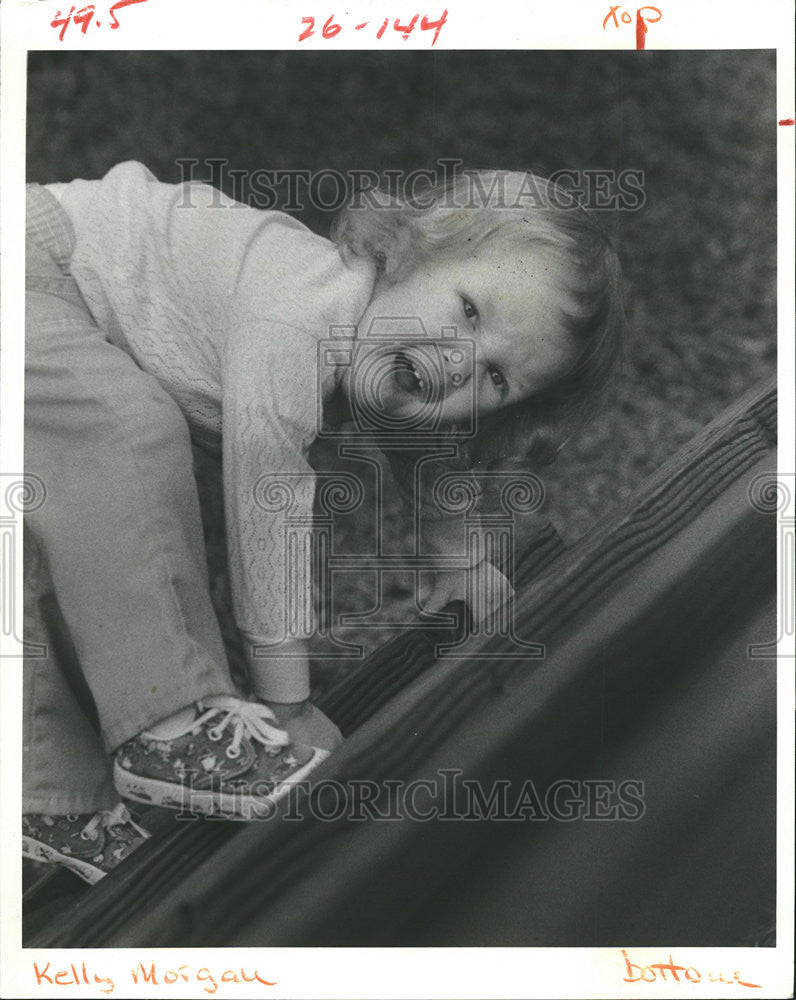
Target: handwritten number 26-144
(331, 28)
(85, 16)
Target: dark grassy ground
(699, 257)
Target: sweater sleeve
(268, 480)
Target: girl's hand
(306, 724)
(483, 582)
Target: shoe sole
(237, 805)
(34, 850)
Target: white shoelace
(249, 718)
(109, 818)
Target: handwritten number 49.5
(85, 15)
(330, 28)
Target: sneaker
(88, 845)
(230, 760)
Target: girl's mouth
(407, 375)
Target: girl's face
(508, 304)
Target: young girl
(156, 312)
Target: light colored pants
(119, 536)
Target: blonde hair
(516, 210)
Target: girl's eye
(469, 309)
(497, 377)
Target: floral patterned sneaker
(230, 760)
(89, 845)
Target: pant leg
(120, 524)
(65, 768)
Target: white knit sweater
(225, 306)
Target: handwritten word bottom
(668, 972)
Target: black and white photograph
(401, 556)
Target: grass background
(699, 257)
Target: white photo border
(373, 972)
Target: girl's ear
(397, 246)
